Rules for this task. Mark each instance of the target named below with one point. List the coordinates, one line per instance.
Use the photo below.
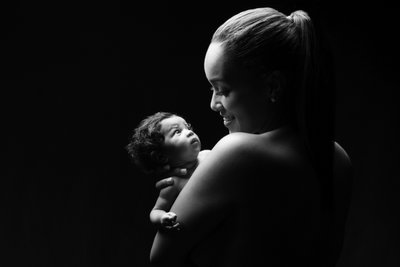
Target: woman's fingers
(166, 171)
(177, 172)
(160, 172)
(164, 183)
(169, 181)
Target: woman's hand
(167, 172)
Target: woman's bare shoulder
(238, 143)
(244, 155)
(255, 146)
(204, 153)
(232, 157)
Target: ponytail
(307, 43)
(314, 107)
(306, 75)
(264, 39)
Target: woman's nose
(215, 102)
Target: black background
(79, 75)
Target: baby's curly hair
(145, 144)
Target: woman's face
(238, 95)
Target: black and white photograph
(200, 134)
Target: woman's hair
(145, 144)
(266, 40)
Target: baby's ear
(274, 84)
(159, 157)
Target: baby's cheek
(187, 153)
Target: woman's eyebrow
(215, 81)
(215, 84)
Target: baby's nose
(189, 133)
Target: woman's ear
(274, 83)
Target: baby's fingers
(175, 227)
(171, 217)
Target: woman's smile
(238, 95)
(227, 119)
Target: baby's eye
(189, 127)
(177, 131)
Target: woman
(263, 196)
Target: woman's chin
(230, 125)
(233, 130)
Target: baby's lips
(194, 140)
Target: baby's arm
(159, 215)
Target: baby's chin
(185, 161)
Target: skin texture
(239, 96)
(182, 148)
(159, 215)
(255, 199)
(181, 144)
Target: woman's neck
(275, 124)
(279, 118)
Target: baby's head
(163, 138)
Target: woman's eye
(220, 92)
(223, 93)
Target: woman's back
(277, 218)
(262, 199)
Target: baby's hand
(168, 221)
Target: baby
(160, 139)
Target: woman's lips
(227, 119)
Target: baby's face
(181, 144)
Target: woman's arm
(205, 200)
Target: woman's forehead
(215, 62)
(220, 67)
